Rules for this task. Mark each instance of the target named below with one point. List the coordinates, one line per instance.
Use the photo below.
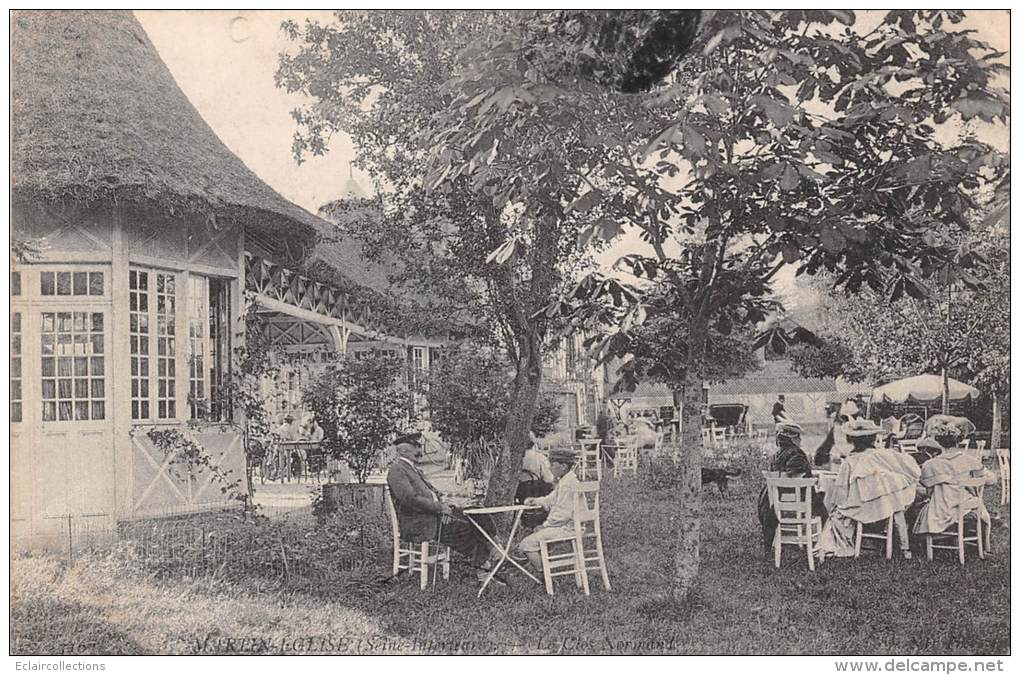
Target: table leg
(504, 551)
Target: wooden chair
(585, 544)
(908, 446)
(1004, 478)
(459, 466)
(589, 460)
(976, 486)
(660, 443)
(890, 425)
(706, 437)
(719, 439)
(626, 458)
(414, 557)
(886, 536)
(981, 445)
(791, 502)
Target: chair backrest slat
(394, 522)
(583, 511)
(791, 498)
(1003, 457)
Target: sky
(224, 61)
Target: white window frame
(153, 377)
(32, 305)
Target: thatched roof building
(97, 115)
(99, 118)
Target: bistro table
(826, 481)
(504, 550)
(826, 484)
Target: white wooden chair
(459, 466)
(908, 446)
(891, 425)
(414, 557)
(981, 445)
(589, 460)
(791, 502)
(660, 443)
(886, 536)
(719, 439)
(585, 544)
(706, 437)
(626, 457)
(976, 486)
(1004, 478)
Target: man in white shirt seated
(285, 430)
(560, 504)
(310, 430)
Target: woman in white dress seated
(872, 484)
(942, 475)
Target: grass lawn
(106, 603)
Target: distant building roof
(775, 377)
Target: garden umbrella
(922, 389)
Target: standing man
(779, 411)
(421, 512)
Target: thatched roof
(98, 116)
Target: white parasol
(922, 388)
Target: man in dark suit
(421, 512)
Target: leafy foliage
(470, 394)
(831, 357)
(795, 138)
(788, 138)
(474, 246)
(547, 414)
(360, 404)
(963, 325)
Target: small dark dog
(721, 477)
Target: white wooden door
(62, 459)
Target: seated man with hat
(872, 484)
(559, 503)
(422, 514)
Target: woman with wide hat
(792, 462)
(873, 483)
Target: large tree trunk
(687, 554)
(529, 333)
(996, 422)
(528, 380)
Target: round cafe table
(826, 481)
(825, 485)
(504, 549)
